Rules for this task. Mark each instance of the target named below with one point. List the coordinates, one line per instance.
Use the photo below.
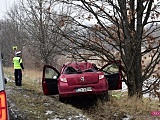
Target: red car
(81, 78)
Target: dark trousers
(18, 77)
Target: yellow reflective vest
(16, 62)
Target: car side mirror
(5, 80)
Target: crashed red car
(81, 78)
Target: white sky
(4, 5)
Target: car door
(49, 80)
(113, 74)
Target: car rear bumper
(69, 91)
(65, 94)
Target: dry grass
(116, 109)
(28, 99)
(31, 79)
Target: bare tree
(10, 35)
(42, 40)
(110, 30)
(125, 28)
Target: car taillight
(63, 79)
(3, 106)
(101, 77)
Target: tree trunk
(133, 54)
(134, 83)
(134, 74)
(138, 74)
(131, 84)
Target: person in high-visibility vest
(18, 67)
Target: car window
(70, 70)
(111, 69)
(90, 70)
(50, 73)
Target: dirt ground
(25, 104)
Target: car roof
(80, 65)
(1, 75)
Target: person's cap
(19, 52)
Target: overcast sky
(4, 5)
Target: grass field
(116, 109)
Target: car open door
(113, 74)
(49, 80)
